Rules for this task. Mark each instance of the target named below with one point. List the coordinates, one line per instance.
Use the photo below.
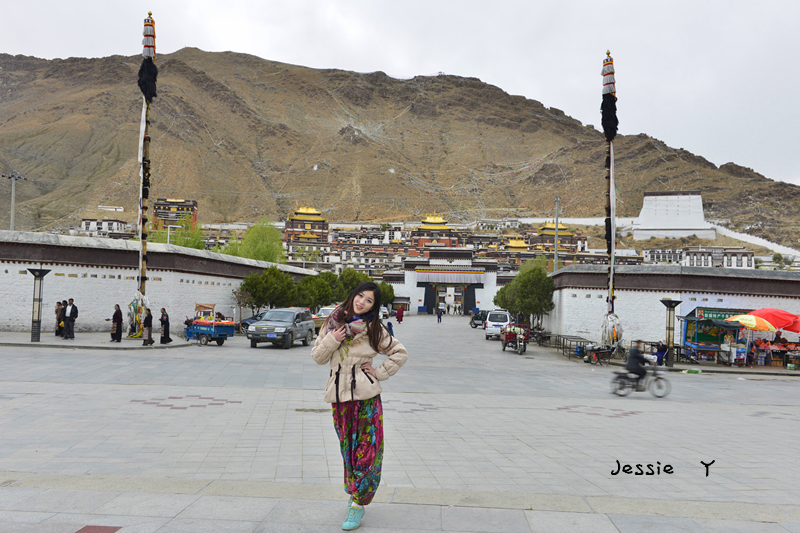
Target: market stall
(777, 351)
(712, 339)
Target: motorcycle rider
(636, 362)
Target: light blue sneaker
(353, 520)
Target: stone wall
(98, 273)
(580, 296)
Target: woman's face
(363, 302)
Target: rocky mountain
(248, 137)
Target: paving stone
(556, 522)
(492, 520)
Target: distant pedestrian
(439, 314)
(59, 310)
(399, 315)
(165, 339)
(70, 315)
(390, 328)
(116, 324)
(147, 329)
(448, 309)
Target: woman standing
(116, 325)
(58, 319)
(147, 329)
(349, 339)
(165, 339)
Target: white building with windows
(94, 227)
(718, 256)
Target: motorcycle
(623, 383)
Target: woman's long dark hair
(372, 318)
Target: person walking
(147, 329)
(439, 315)
(116, 324)
(70, 315)
(349, 340)
(59, 310)
(165, 338)
(399, 315)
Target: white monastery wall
(642, 314)
(95, 290)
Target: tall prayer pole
(612, 329)
(609, 120)
(148, 74)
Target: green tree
(313, 292)
(349, 280)
(307, 295)
(504, 299)
(262, 242)
(184, 236)
(529, 293)
(279, 287)
(330, 294)
(252, 287)
(777, 259)
(387, 293)
(271, 288)
(244, 299)
(308, 254)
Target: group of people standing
(147, 328)
(66, 314)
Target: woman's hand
(340, 333)
(367, 367)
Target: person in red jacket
(400, 315)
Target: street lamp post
(170, 227)
(36, 317)
(14, 176)
(670, 340)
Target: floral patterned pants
(359, 425)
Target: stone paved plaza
(230, 438)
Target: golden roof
(434, 219)
(306, 213)
(549, 228)
(308, 235)
(516, 243)
(434, 222)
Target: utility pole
(14, 176)
(555, 239)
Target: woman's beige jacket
(347, 381)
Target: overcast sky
(718, 78)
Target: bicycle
(597, 355)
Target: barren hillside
(249, 137)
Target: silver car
(495, 321)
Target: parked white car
(495, 321)
(384, 312)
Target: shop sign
(717, 314)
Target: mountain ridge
(249, 137)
